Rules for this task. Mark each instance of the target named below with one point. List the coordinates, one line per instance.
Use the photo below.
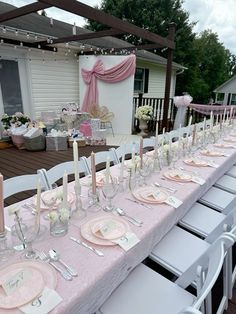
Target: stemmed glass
(109, 190)
(145, 169)
(27, 231)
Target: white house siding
(157, 77)
(53, 83)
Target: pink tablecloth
(99, 276)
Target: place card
(43, 304)
(173, 201)
(107, 228)
(16, 281)
(128, 241)
(198, 180)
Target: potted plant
(144, 114)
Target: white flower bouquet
(144, 112)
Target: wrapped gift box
(80, 142)
(56, 140)
(37, 143)
(98, 141)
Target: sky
(217, 15)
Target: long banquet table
(99, 276)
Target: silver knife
(99, 253)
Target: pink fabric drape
(113, 75)
(206, 109)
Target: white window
(233, 99)
(10, 90)
(141, 78)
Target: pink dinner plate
(30, 289)
(117, 228)
(211, 153)
(221, 145)
(196, 163)
(151, 195)
(87, 234)
(178, 176)
(70, 198)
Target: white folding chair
(55, 173)
(218, 199)
(124, 149)
(100, 157)
(149, 142)
(190, 310)
(179, 249)
(232, 172)
(226, 183)
(146, 292)
(22, 183)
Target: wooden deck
(14, 162)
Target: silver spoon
(55, 256)
(133, 220)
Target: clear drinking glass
(109, 190)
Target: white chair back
(124, 149)
(100, 157)
(55, 173)
(22, 183)
(149, 142)
(208, 266)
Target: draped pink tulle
(113, 75)
(206, 109)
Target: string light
(16, 32)
(74, 29)
(4, 29)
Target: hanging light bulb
(2, 41)
(27, 35)
(48, 40)
(16, 32)
(21, 44)
(39, 46)
(4, 29)
(35, 37)
(74, 29)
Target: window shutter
(146, 80)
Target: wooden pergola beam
(29, 8)
(88, 12)
(26, 44)
(104, 33)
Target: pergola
(117, 27)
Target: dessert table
(99, 276)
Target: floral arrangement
(16, 120)
(144, 112)
(62, 215)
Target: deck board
(15, 162)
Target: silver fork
(44, 257)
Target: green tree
(207, 61)
(154, 15)
(210, 68)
